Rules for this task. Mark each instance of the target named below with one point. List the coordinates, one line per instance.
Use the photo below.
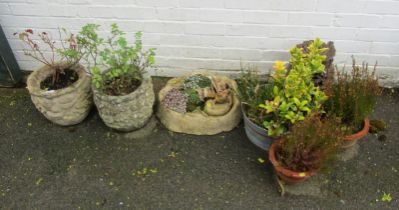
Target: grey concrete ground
(89, 166)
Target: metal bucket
(256, 134)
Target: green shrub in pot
(294, 94)
(123, 91)
(272, 105)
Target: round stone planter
(256, 134)
(198, 122)
(128, 112)
(67, 106)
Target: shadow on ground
(89, 166)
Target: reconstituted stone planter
(128, 112)
(198, 122)
(67, 106)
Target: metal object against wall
(9, 69)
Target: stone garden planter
(198, 122)
(67, 106)
(128, 112)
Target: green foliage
(121, 61)
(352, 96)
(294, 94)
(89, 38)
(193, 99)
(197, 81)
(386, 197)
(310, 143)
(252, 92)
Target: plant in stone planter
(60, 89)
(123, 91)
(306, 149)
(352, 97)
(289, 97)
(201, 103)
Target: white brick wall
(219, 35)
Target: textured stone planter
(128, 112)
(67, 106)
(198, 122)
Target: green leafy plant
(294, 94)
(352, 96)
(320, 78)
(310, 143)
(124, 65)
(193, 99)
(386, 197)
(62, 57)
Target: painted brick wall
(221, 34)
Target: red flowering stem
(35, 50)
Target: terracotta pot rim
(283, 170)
(361, 133)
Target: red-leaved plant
(310, 143)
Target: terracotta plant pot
(256, 134)
(127, 112)
(351, 140)
(66, 106)
(286, 175)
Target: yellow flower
(279, 65)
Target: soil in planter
(121, 86)
(65, 79)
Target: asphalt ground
(90, 166)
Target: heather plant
(352, 96)
(310, 144)
(294, 94)
(124, 65)
(60, 56)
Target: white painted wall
(220, 34)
